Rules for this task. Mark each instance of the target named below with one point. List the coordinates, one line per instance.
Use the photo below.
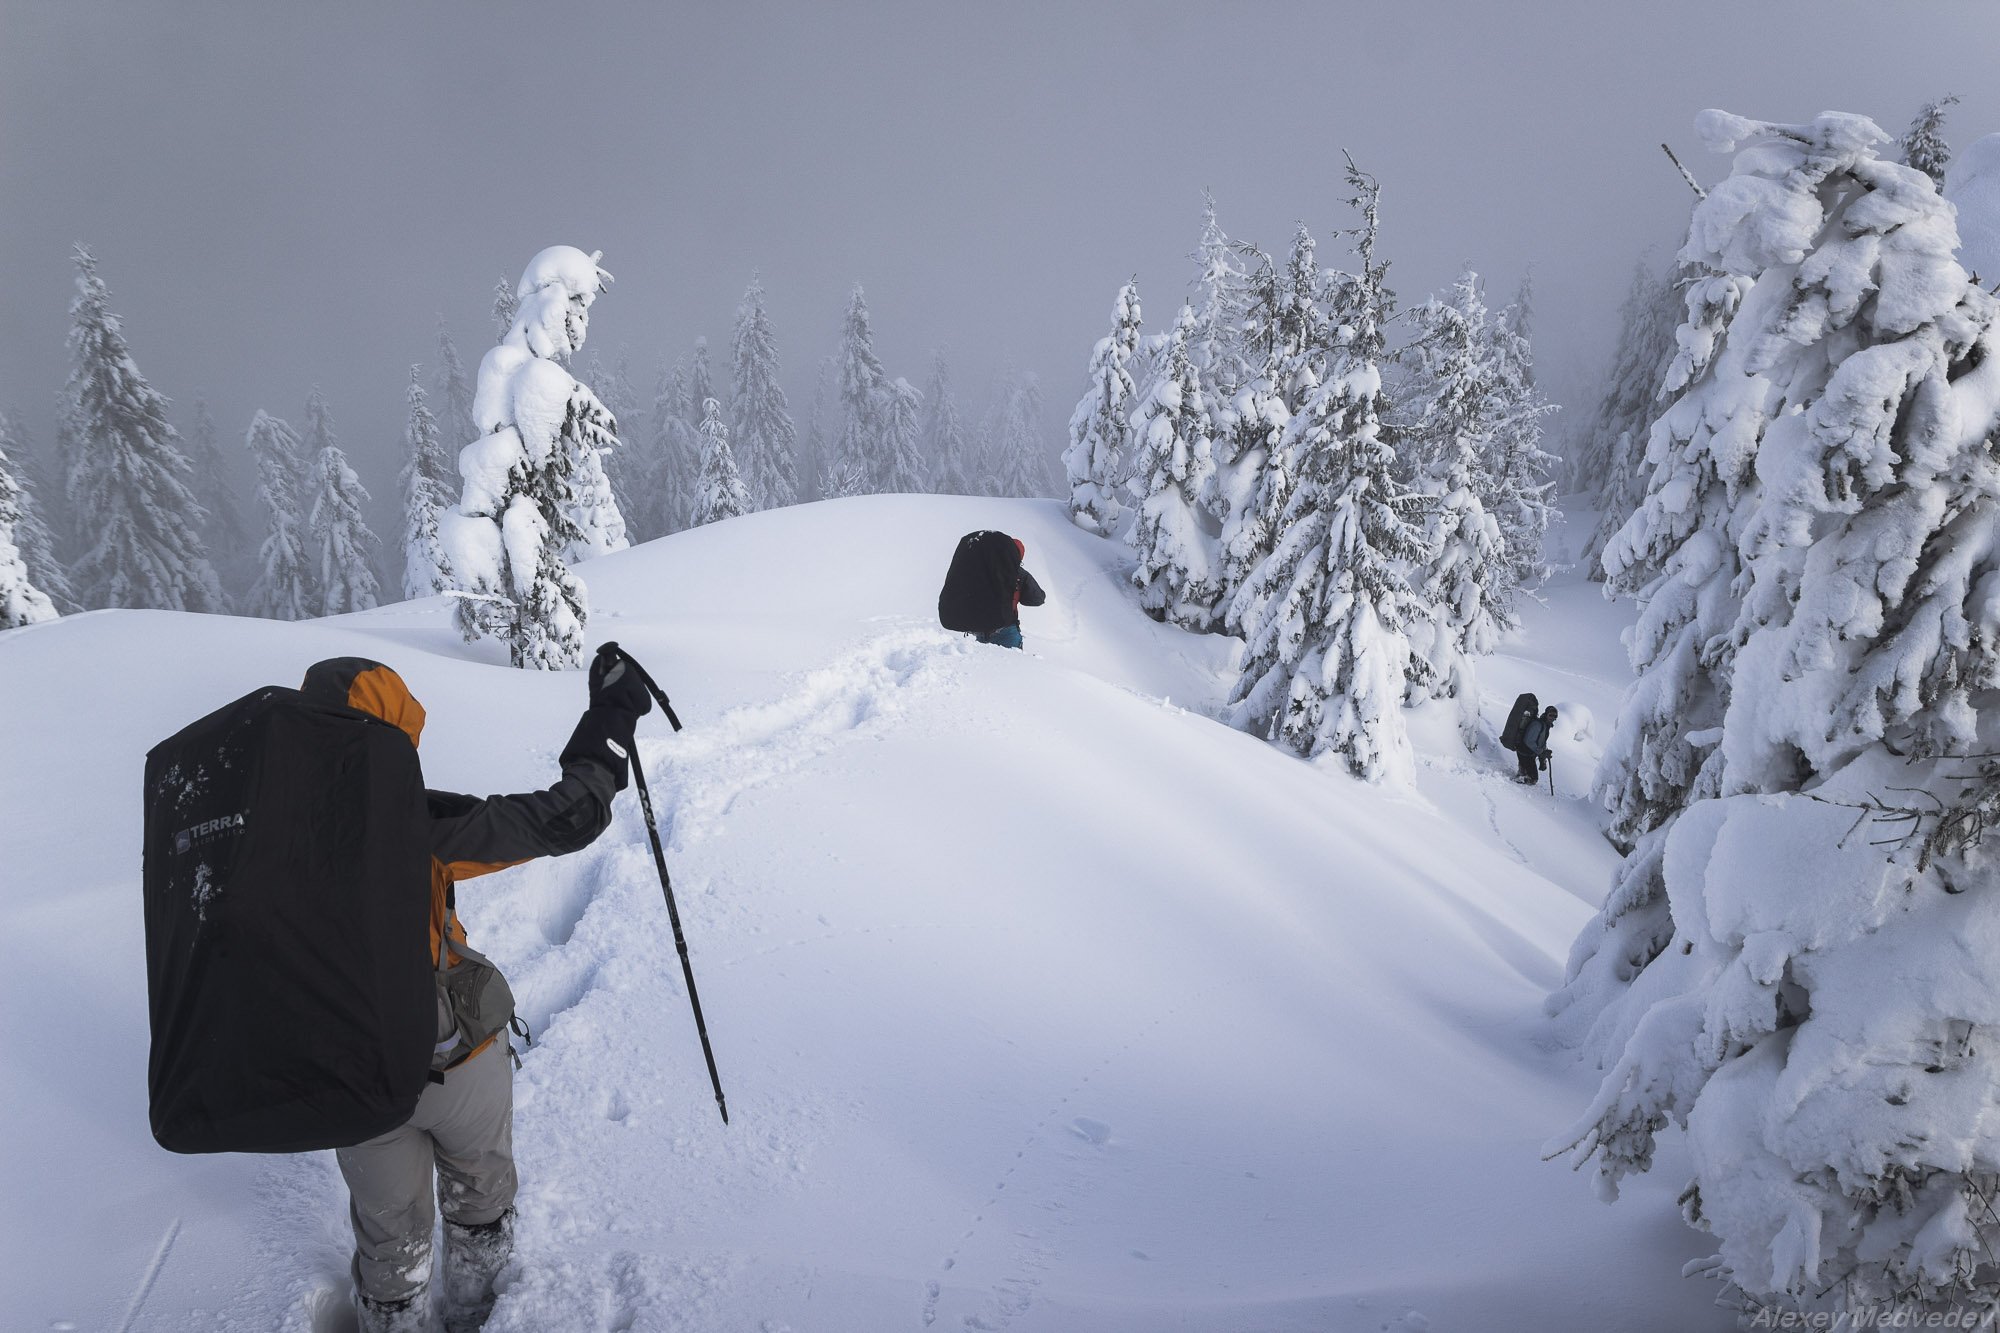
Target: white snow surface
(1043, 1001)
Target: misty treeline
(1356, 489)
(1797, 962)
(130, 511)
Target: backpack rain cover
(287, 898)
(978, 593)
(1525, 707)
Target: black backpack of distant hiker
(287, 892)
(1525, 708)
(978, 593)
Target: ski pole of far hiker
(1550, 766)
(666, 882)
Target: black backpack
(978, 593)
(1525, 708)
(287, 892)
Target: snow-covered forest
(1493, 822)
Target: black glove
(615, 683)
(1544, 756)
(603, 736)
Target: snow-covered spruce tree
(228, 536)
(765, 435)
(33, 535)
(1253, 478)
(945, 443)
(859, 462)
(909, 471)
(664, 482)
(816, 444)
(286, 587)
(1299, 325)
(1222, 296)
(505, 304)
(340, 537)
(1471, 585)
(1324, 616)
(1923, 145)
(534, 496)
(1607, 456)
(721, 493)
(1100, 430)
(128, 482)
(21, 602)
(1520, 494)
(454, 394)
(426, 486)
(623, 466)
(1176, 574)
(1023, 461)
(700, 386)
(1818, 1021)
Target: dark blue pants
(1007, 636)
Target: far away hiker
(985, 588)
(1532, 755)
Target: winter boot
(412, 1314)
(473, 1257)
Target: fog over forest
(283, 197)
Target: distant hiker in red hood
(985, 588)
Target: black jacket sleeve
(501, 830)
(1031, 591)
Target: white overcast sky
(284, 194)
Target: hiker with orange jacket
(986, 587)
(461, 1133)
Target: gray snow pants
(463, 1131)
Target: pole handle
(646, 679)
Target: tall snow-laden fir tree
(454, 394)
(34, 537)
(21, 602)
(945, 442)
(674, 464)
(1176, 574)
(287, 586)
(624, 468)
(340, 537)
(1608, 455)
(909, 471)
(1324, 616)
(1520, 494)
(534, 495)
(128, 482)
(765, 435)
(1456, 447)
(1022, 459)
(721, 493)
(228, 536)
(1823, 525)
(1222, 298)
(700, 387)
(1923, 145)
(1100, 430)
(816, 447)
(426, 487)
(1252, 481)
(506, 302)
(859, 462)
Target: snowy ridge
(1042, 1000)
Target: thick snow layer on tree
(1043, 1001)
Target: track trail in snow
(1056, 1176)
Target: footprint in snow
(1090, 1131)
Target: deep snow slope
(1043, 1001)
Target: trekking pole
(666, 883)
(1550, 765)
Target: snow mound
(1043, 1000)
